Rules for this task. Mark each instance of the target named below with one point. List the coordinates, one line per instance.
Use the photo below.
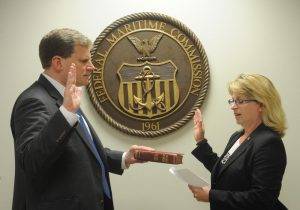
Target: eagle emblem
(145, 46)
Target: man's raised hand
(72, 94)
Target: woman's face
(246, 110)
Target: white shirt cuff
(71, 117)
(123, 165)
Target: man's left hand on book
(129, 157)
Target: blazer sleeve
(39, 137)
(269, 161)
(204, 153)
(114, 159)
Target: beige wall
(239, 36)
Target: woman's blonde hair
(261, 89)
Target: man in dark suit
(60, 162)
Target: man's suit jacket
(251, 177)
(54, 165)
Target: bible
(159, 156)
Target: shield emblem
(148, 90)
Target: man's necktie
(90, 139)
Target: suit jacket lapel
(237, 153)
(215, 171)
(240, 150)
(51, 90)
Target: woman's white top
(231, 151)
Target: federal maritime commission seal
(151, 74)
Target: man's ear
(57, 63)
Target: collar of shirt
(59, 87)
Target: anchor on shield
(147, 78)
(148, 89)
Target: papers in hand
(188, 177)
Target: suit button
(101, 202)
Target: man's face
(81, 57)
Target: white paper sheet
(188, 177)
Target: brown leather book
(159, 156)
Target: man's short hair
(60, 42)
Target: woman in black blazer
(248, 174)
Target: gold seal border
(204, 89)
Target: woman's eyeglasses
(240, 101)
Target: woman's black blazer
(251, 177)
